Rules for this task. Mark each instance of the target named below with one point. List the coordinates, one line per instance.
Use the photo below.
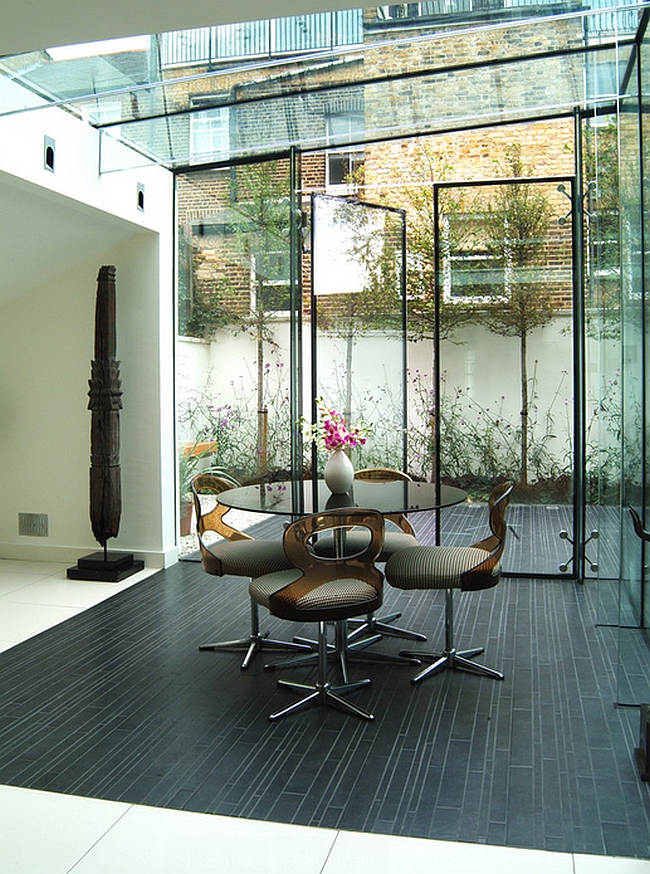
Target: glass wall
(505, 272)
(603, 374)
(234, 302)
(634, 615)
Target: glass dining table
(303, 497)
(296, 498)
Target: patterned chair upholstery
(398, 534)
(326, 589)
(468, 568)
(237, 554)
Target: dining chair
(468, 568)
(326, 589)
(394, 540)
(237, 554)
(397, 535)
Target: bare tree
(516, 223)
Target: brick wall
(393, 170)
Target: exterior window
(209, 134)
(271, 280)
(471, 271)
(107, 113)
(343, 162)
(416, 10)
(603, 250)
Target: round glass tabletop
(299, 498)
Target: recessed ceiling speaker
(48, 153)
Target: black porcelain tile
(119, 703)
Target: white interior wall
(56, 230)
(46, 345)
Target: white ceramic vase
(339, 473)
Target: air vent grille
(33, 524)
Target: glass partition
(506, 406)
(235, 309)
(358, 320)
(603, 378)
(634, 618)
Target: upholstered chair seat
(440, 567)
(239, 555)
(468, 568)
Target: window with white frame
(209, 134)
(105, 114)
(343, 161)
(471, 270)
(270, 280)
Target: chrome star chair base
(348, 648)
(382, 626)
(256, 642)
(322, 691)
(237, 554)
(326, 589)
(450, 657)
(469, 568)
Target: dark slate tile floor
(118, 703)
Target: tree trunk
(524, 407)
(261, 413)
(347, 411)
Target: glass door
(508, 395)
(633, 591)
(358, 324)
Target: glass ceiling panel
(193, 97)
(431, 103)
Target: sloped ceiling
(43, 235)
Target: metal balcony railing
(272, 37)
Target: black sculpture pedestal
(108, 567)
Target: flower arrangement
(333, 432)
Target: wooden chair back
(317, 570)
(488, 572)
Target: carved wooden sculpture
(105, 403)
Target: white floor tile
(45, 568)
(45, 833)
(20, 621)
(7, 644)
(610, 865)
(12, 581)
(356, 853)
(155, 841)
(39, 595)
(66, 593)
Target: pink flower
(334, 432)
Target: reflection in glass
(358, 323)
(505, 408)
